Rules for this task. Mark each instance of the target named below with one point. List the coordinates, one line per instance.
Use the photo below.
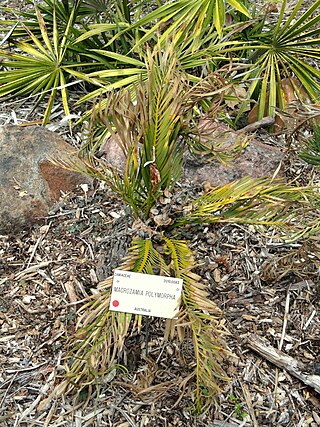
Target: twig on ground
(29, 368)
(283, 333)
(223, 424)
(263, 123)
(39, 240)
(309, 320)
(248, 399)
(282, 360)
(125, 415)
(32, 269)
(285, 320)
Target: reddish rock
(111, 153)
(59, 180)
(29, 183)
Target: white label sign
(146, 294)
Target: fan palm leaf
(284, 50)
(42, 67)
(196, 17)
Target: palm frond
(39, 68)
(100, 335)
(194, 18)
(200, 318)
(282, 52)
(260, 202)
(311, 153)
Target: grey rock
(256, 161)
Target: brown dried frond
(302, 262)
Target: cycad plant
(150, 132)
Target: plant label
(145, 294)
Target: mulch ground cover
(266, 289)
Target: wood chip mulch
(266, 289)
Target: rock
(257, 160)
(29, 183)
(111, 153)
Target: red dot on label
(115, 303)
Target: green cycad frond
(256, 201)
(93, 351)
(146, 130)
(150, 125)
(222, 150)
(146, 259)
(165, 90)
(200, 318)
(101, 333)
(95, 168)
